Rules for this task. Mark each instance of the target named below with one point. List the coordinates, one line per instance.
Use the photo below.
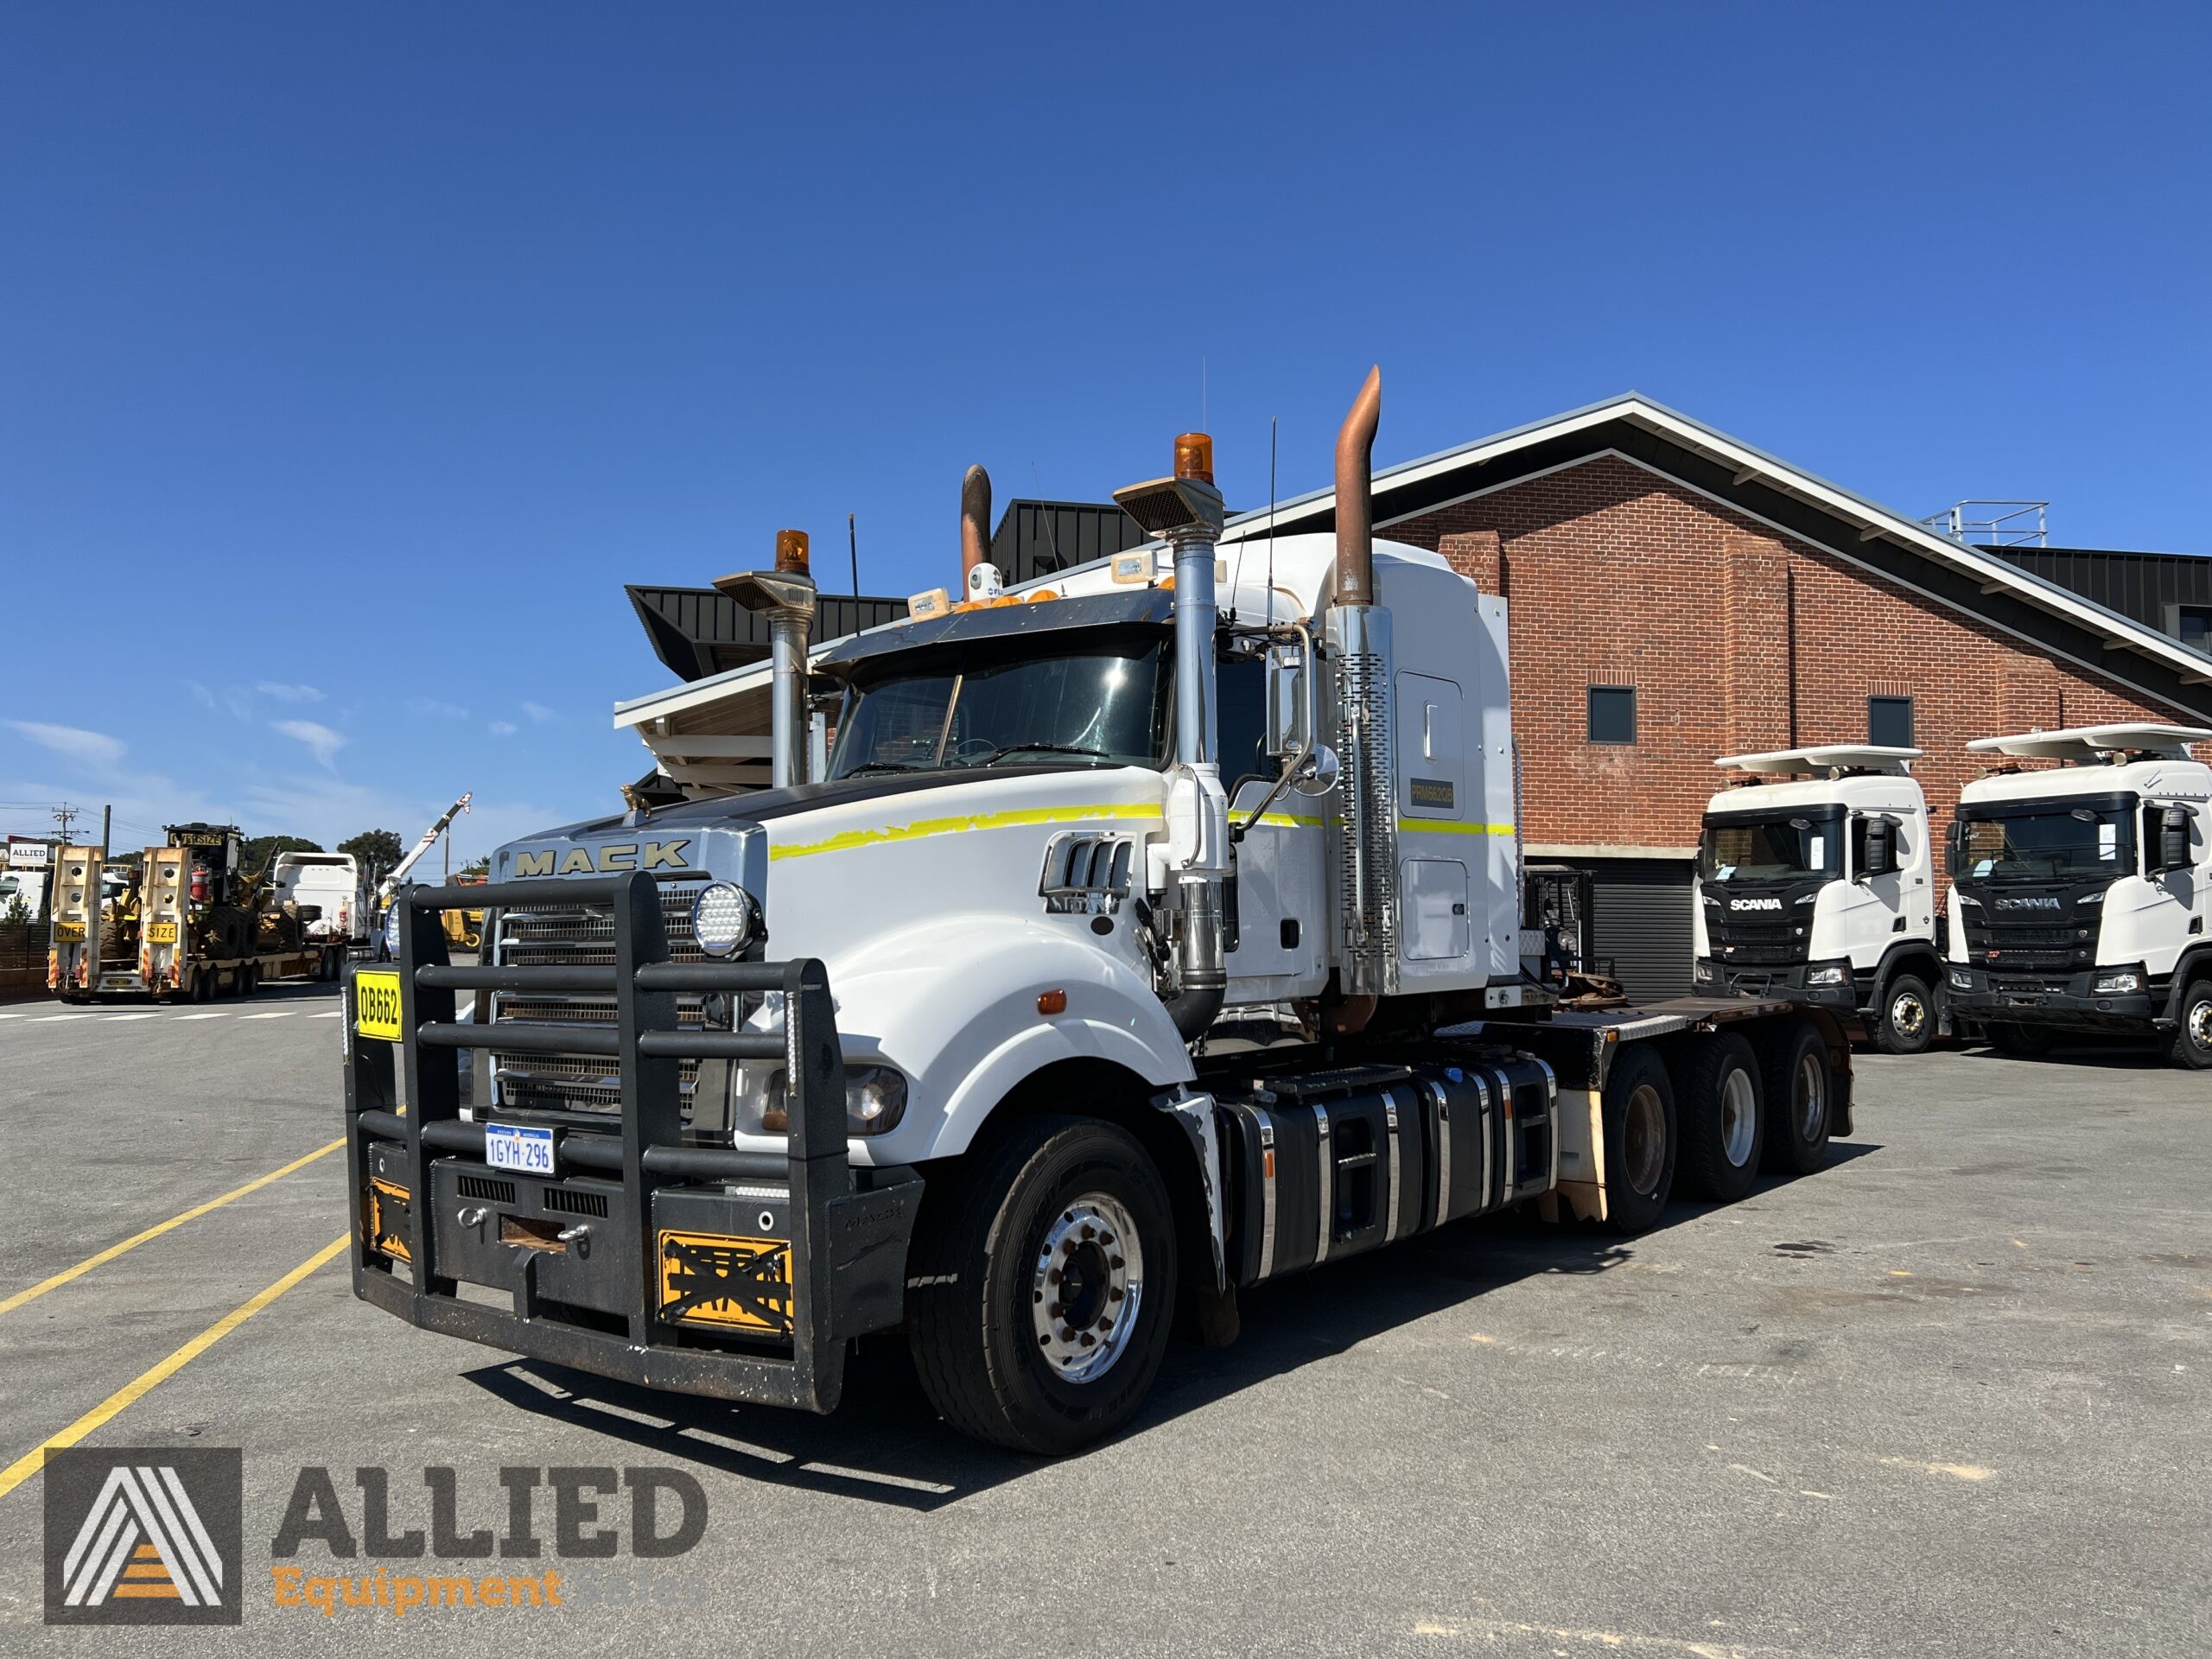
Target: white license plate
(512, 1146)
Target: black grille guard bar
(847, 1246)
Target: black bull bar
(658, 1233)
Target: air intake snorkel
(1186, 509)
(786, 597)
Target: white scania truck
(2080, 894)
(1153, 932)
(1823, 890)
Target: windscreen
(1770, 849)
(2047, 844)
(1106, 706)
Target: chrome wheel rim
(1646, 1129)
(1739, 1117)
(1812, 1099)
(2200, 1022)
(1087, 1289)
(1908, 1014)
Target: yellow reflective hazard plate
(375, 1004)
(721, 1278)
(69, 932)
(161, 932)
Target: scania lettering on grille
(2027, 904)
(1755, 903)
(615, 859)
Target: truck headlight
(1830, 973)
(875, 1099)
(391, 931)
(724, 918)
(2124, 981)
(1705, 973)
(1961, 979)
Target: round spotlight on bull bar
(724, 918)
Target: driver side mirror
(1287, 705)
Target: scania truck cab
(1822, 889)
(2079, 893)
(1148, 933)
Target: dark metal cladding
(697, 632)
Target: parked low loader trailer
(1816, 883)
(1153, 933)
(193, 925)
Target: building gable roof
(1976, 580)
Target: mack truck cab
(1822, 889)
(1147, 933)
(2079, 892)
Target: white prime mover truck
(1153, 932)
(2080, 893)
(1823, 890)
(329, 893)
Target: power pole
(65, 815)
(107, 817)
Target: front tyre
(1048, 1286)
(2191, 1046)
(1907, 1022)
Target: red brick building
(1677, 595)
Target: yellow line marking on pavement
(156, 1230)
(34, 1459)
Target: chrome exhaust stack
(1186, 509)
(786, 597)
(1358, 633)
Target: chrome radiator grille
(573, 935)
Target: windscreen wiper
(1036, 748)
(868, 766)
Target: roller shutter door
(1640, 917)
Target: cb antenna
(852, 541)
(1272, 420)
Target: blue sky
(353, 357)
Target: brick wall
(1736, 637)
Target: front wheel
(2191, 1046)
(1907, 1022)
(1047, 1287)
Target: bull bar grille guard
(847, 1249)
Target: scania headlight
(724, 918)
(1707, 974)
(1961, 979)
(1828, 972)
(2124, 981)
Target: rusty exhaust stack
(1359, 642)
(786, 596)
(975, 527)
(1356, 495)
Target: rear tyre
(1640, 1139)
(2021, 1042)
(2191, 1046)
(1794, 1069)
(1906, 1024)
(1724, 1120)
(1048, 1286)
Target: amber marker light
(1052, 1001)
(790, 551)
(1194, 456)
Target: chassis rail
(842, 1271)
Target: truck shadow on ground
(884, 1445)
(2103, 1053)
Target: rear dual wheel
(1641, 1139)
(1723, 1121)
(1796, 1090)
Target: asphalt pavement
(1946, 1396)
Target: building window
(1612, 713)
(2194, 624)
(1888, 722)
